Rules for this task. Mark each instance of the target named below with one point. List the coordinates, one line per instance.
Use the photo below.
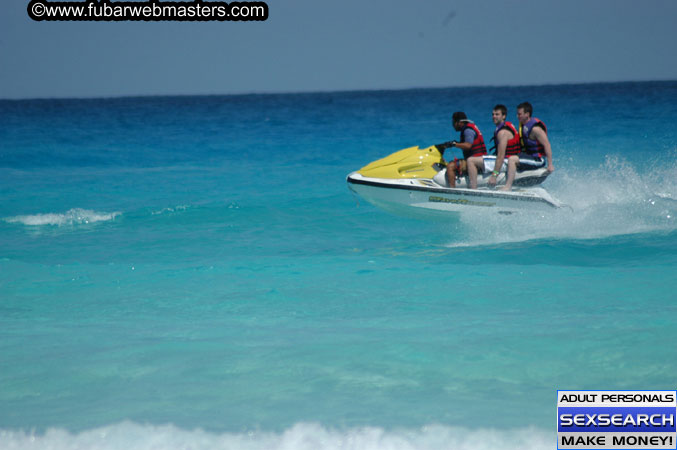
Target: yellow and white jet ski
(416, 178)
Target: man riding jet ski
(523, 150)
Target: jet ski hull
(425, 194)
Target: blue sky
(320, 45)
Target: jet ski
(416, 178)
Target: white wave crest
(71, 217)
(302, 436)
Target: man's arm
(469, 137)
(501, 144)
(539, 134)
(465, 146)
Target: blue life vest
(532, 146)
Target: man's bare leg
(451, 174)
(475, 163)
(512, 171)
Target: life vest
(478, 148)
(513, 147)
(532, 146)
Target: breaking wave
(302, 436)
(75, 216)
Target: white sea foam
(302, 436)
(179, 208)
(71, 217)
(611, 200)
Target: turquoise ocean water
(193, 272)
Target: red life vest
(478, 148)
(513, 147)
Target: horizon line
(336, 91)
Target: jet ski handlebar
(445, 145)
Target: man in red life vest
(472, 144)
(508, 146)
(535, 143)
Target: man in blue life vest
(508, 146)
(471, 143)
(535, 143)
